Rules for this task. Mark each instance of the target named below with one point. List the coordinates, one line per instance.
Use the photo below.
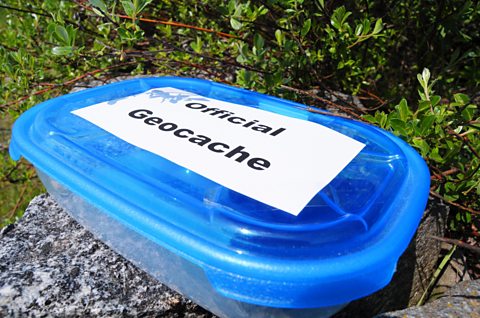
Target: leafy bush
(446, 134)
(303, 50)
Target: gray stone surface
(50, 266)
(462, 300)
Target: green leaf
(258, 41)
(128, 7)
(469, 112)
(461, 98)
(62, 50)
(126, 35)
(421, 144)
(280, 37)
(240, 59)
(366, 26)
(423, 105)
(435, 156)
(420, 80)
(423, 79)
(231, 6)
(62, 34)
(197, 45)
(426, 124)
(358, 29)
(468, 217)
(97, 12)
(72, 34)
(242, 52)
(51, 29)
(262, 10)
(370, 119)
(403, 110)
(378, 27)
(236, 25)
(399, 127)
(381, 118)
(238, 10)
(306, 27)
(140, 5)
(453, 197)
(99, 4)
(426, 75)
(275, 78)
(244, 49)
(435, 99)
(339, 17)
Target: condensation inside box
(169, 268)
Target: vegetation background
(413, 64)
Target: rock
(462, 300)
(49, 264)
(342, 98)
(52, 266)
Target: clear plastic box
(234, 255)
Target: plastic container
(234, 255)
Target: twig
(171, 23)
(48, 16)
(6, 176)
(201, 67)
(473, 172)
(324, 112)
(465, 141)
(458, 243)
(454, 203)
(67, 83)
(374, 97)
(234, 64)
(353, 106)
(371, 109)
(139, 53)
(361, 39)
(18, 101)
(105, 15)
(76, 79)
(433, 281)
(19, 201)
(24, 10)
(442, 174)
(182, 25)
(338, 96)
(323, 100)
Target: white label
(278, 160)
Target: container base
(172, 270)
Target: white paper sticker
(278, 160)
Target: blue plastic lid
(343, 245)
